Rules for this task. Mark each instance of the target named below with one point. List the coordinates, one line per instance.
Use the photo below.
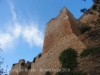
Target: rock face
(61, 32)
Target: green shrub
(34, 60)
(71, 73)
(47, 73)
(76, 73)
(90, 51)
(97, 1)
(94, 7)
(91, 12)
(29, 67)
(68, 58)
(79, 73)
(22, 64)
(84, 28)
(39, 55)
(61, 73)
(14, 64)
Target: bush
(22, 64)
(76, 73)
(84, 28)
(97, 1)
(94, 7)
(91, 12)
(79, 73)
(59, 73)
(68, 58)
(40, 54)
(47, 73)
(34, 60)
(90, 51)
(14, 64)
(71, 73)
(29, 67)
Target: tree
(2, 71)
(83, 10)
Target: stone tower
(61, 32)
(59, 28)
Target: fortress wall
(61, 33)
(50, 59)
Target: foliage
(61, 73)
(47, 73)
(79, 73)
(71, 73)
(22, 64)
(90, 51)
(2, 71)
(96, 1)
(14, 64)
(84, 28)
(83, 10)
(68, 58)
(94, 7)
(29, 67)
(76, 73)
(91, 12)
(34, 60)
(40, 54)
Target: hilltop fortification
(61, 32)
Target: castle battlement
(61, 32)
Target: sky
(23, 22)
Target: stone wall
(19, 68)
(61, 32)
(64, 24)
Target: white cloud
(12, 11)
(32, 34)
(15, 30)
(6, 40)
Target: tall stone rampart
(61, 32)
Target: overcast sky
(22, 25)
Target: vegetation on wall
(47, 73)
(84, 28)
(39, 55)
(22, 64)
(90, 51)
(29, 67)
(34, 60)
(94, 7)
(61, 73)
(14, 64)
(76, 73)
(68, 58)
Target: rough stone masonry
(61, 32)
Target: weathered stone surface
(62, 32)
(63, 25)
(19, 68)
